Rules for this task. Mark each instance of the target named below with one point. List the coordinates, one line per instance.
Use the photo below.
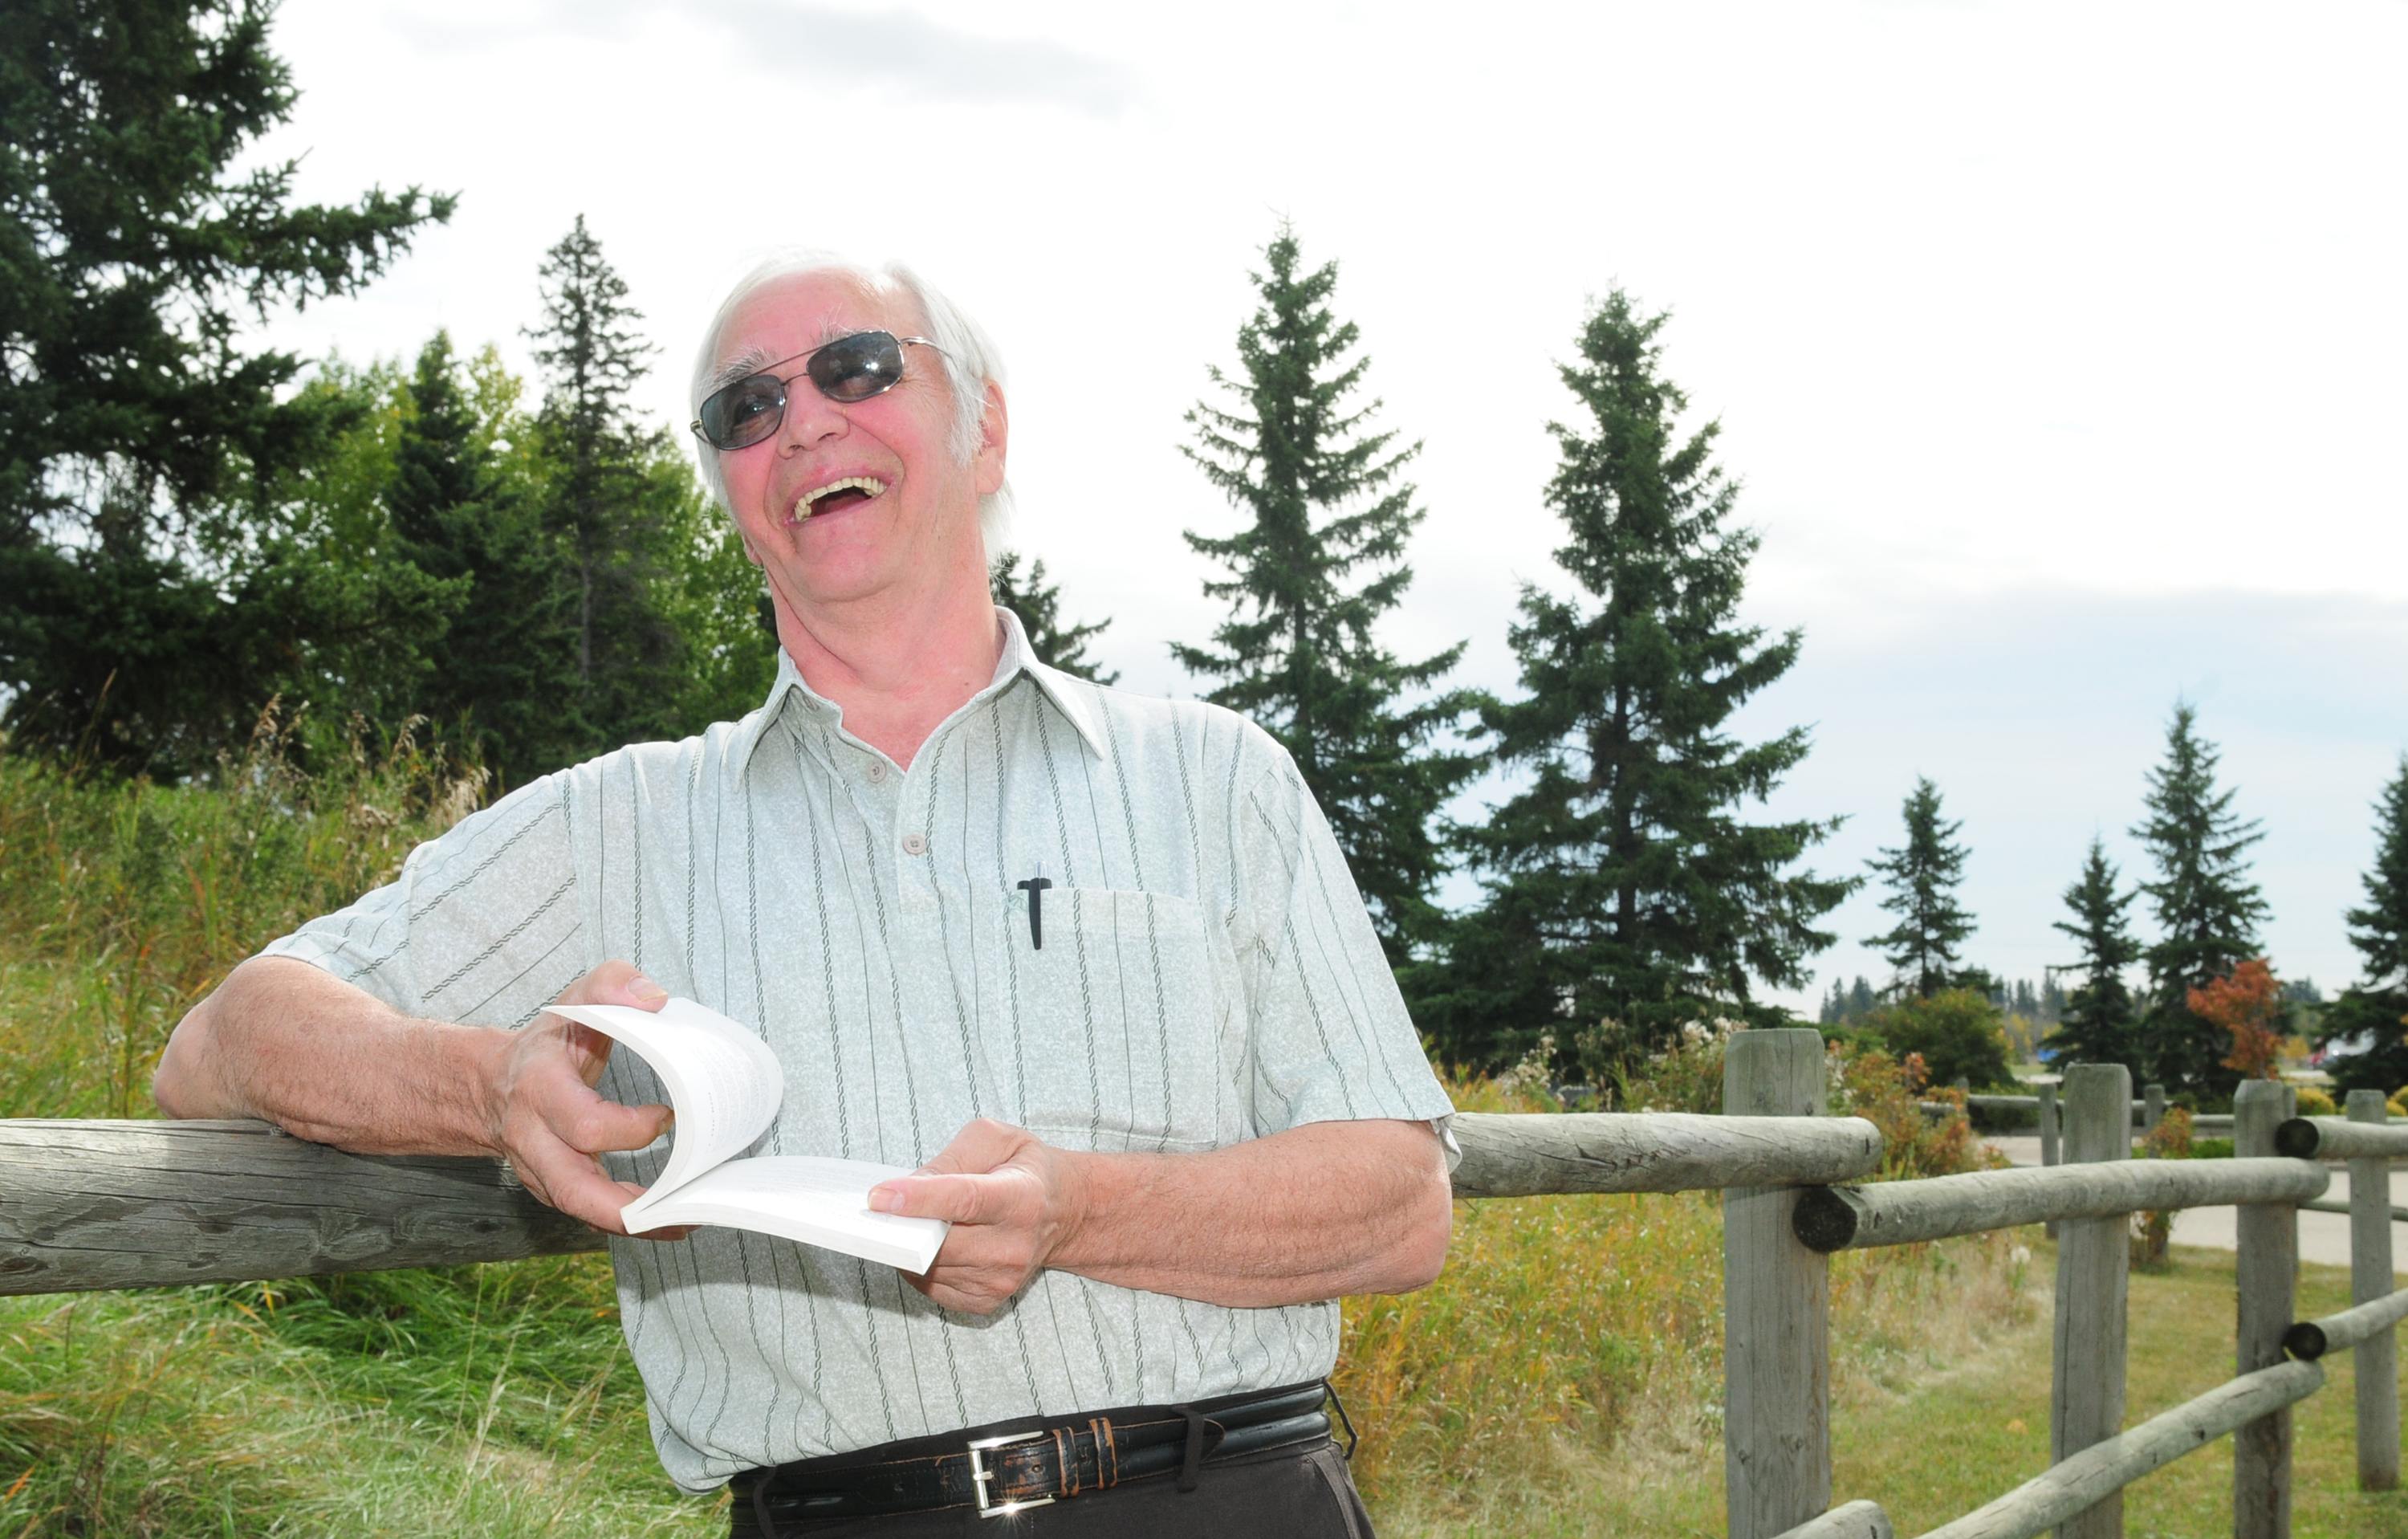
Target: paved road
(2323, 1237)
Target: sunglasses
(849, 369)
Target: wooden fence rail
(93, 1205)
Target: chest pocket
(1122, 1027)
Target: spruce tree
(2098, 1021)
(619, 520)
(2371, 1016)
(1862, 1000)
(2206, 906)
(1923, 876)
(1318, 562)
(1038, 604)
(138, 426)
(504, 658)
(1624, 884)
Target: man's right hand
(549, 1122)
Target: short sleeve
(1330, 1038)
(482, 926)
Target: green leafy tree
(1923, 875)
(2097, 1023)
(2371, 1018)
(137, 432)
(1959, 1033)
(1623, 883)
(1320, 561)
(2207, 908)
(1038, 604)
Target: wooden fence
(91, 1206)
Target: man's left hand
(1011, 1200)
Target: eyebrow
(746, 362)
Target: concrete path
(2323, 1237)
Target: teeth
(809, 502)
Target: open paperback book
(725, 1084)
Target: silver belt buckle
(981, 1476)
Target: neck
(898, 664)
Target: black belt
(1007, 1466)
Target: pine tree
(620, 521)
(1038, 604)
(2369, 1016)
(1923, 875)
(1622, 883)
(1862, 1000)
(2207, 908)
(137, 429)
(1328, 507)
(500, 663)
(2096, 1024)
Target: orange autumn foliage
(2245, 1004)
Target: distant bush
(1956, 1032)
(1889, 1094)
(2314, 1102)
(2153, 1228)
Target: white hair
(970, 360)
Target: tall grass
(1562, 1371)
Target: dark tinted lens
(745, 412)
(856, 367)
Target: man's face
(918, 528)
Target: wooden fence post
(1776, 1309)
(2048, 1151)
(2093, 1258)
(2377, 1368)
(2266, 1267)
(2152, 1108)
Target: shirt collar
(788, 692)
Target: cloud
(901, 52)
(906, 51)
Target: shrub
(1889, 1093)
(2151, 1228)
(1956, 1032)
(2314, 1102)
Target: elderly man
(1090, 961)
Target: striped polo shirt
(1207, 975)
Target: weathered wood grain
(2377, 1369)
(1524, 1155)
(1855, 1521)
(2084, 1483)
(2266, 1265)
(87, 1205)
(1902, 1213)
(1776, 1310)
(2093, 1272)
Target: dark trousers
(1302, 1490)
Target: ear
(995, 427)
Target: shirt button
(915, 843)
(878, 771)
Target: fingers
(613, 982)
(956, 1199)
(563, 1178)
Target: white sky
(2059, 347)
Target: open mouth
(837, 495)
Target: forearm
(284, 1041)
(1327, 1209)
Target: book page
(723, 1081)
(818, 1201)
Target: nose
(811, 419)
